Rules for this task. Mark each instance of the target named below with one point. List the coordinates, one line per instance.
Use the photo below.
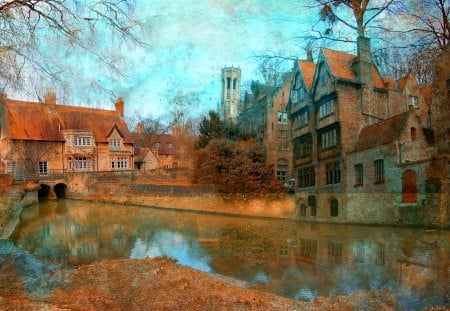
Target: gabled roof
(340, 64)
(43, 122)
(141, 154)
(307, 68)
(382, 132)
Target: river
(289, 258)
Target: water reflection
(291, 259)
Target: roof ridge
(22, 102)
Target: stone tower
(231, 81)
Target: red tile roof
(341, 67)
(308, 68)
(382, 132)
(43, 122)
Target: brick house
(264, 115)
(42, 138)
(331, 104)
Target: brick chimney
(309, 55)
(139, 128)
(362, 65)
(50, 97)
(120, 106)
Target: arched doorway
(409, 187)
(43, 191)
(334, 208)
(60, 190)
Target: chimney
(309, 55)
(139, 128)
(362, 65)
(50, 97)
(120, 106)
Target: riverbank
(13, 198)
(161, 284)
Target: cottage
(44, 138)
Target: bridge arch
(43, 191)
(60, 190)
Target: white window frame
(114, 143)
(82, 141)
(43, 168)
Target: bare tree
(36, 36)
(30, 153)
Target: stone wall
(123, 190)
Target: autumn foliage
(235, 167)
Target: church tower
(231, 81)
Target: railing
(63, 174)
(48, 175)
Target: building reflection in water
(289, 258)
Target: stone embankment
(13, 198)
(179, 197)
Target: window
(414, 101)
(234, 83)
(328, 139)
(308, 247)
(81, 163)
(334, 208)
(281, 172)
(379, 171)
(307, 177)
(43, 167)
(114, 143)
(294, 98)
(334, 252)
(326, 109)
(81, 141)
(313, 211)
(380, 254)
(303, 147)
(156, 145)
(119, 163)
(301, 120)
(359, 175)
(360, 252)
(69, 164)
(228, 83)
(333, 173)
(301, 94)
(282, 117)
(11, 167)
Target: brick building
(338, 105)
(264, 116)
(41, 138)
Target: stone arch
(334, 207)
(60, 190)
(409, 187)
(43, 191)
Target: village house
(163, 152)
(47, 138)
(265, 117)
(337, 109)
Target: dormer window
(114, 143)
(82, 141)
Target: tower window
(234, 83)
(228, 83)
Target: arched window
(334, 208)
(409, 187)
(413, 133)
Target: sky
(190, 41)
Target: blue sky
(188, 44)
(190, 41)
